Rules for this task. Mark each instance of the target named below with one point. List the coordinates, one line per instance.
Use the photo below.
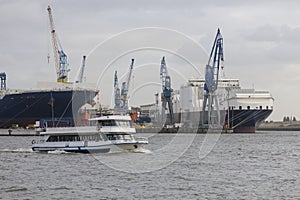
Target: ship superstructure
(245, 108)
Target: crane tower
(210, 102)
(125, 88)
(166, 97)
(117, 93)
(61, 63)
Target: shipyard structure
(242, 110)
(56, 104)
(213, 103)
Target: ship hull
(25, 108)
(245, 121)
(240, 121)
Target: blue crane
(166, 97)
(3, 81)
(210, 101)
(125, 88)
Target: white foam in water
(57, 152)
(141, 150)
(19, 150)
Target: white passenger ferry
(119, 130)
(72, 139)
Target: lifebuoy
(33, 142)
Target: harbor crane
(61, 62)
(124, 90)
(166, 97)
(81, 72)
(117, 93)
(210, 101)
(3, 80)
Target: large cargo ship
(245, 108)
(60, 102)
(242, 110)
(57, 102)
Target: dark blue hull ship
(245, 121)
(24, 108)
(239, 121)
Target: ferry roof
(112, 117)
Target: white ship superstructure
(246, 108)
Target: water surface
(241, 166)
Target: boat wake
(19, 150)
(141, 150)
(58, 152)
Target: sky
(261, 43)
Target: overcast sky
(261, 41)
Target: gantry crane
(166, 97)
(61, 62)
(124, 90)
(210, 101)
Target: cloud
(261, 38)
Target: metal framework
(166, 97)
(210, 101)
(61, 62)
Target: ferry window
(123, 123)
(108, 123)
(260, 107)
(267, 107)
(240, 107)
(52, 139)
(248, 107)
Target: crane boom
(125, 88)
(213, 67)
(210, 101)
(60, 57)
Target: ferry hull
(127, 146)
(46, 147)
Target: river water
(265, 165)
